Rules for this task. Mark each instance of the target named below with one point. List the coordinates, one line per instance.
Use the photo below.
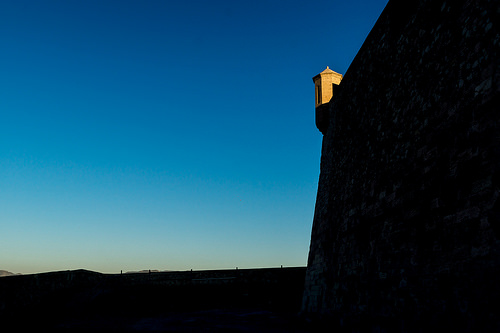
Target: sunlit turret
(325, 84)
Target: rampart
(50, 299)
(406, 231)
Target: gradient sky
(165, 135)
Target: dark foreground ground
(247, 300)
(210, 320)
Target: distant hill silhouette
(6, 273)
(144, 271)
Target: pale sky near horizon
(164, 135)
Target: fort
(406, 230)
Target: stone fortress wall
(406, 231)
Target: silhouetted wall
(50, 299)
(406, 231)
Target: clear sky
(165, 135)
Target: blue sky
(164, 135)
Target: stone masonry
(406, 231)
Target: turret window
(318, 95)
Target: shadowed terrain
(246, 300)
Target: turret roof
(328, 71)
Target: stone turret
(325, 84)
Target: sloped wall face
(406, 232)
